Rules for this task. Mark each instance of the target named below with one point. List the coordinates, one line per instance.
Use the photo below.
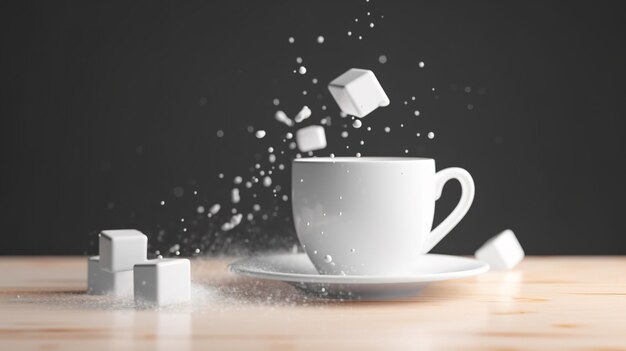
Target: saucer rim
(241, 267)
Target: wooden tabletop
(545, 303)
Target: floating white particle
(234, 195)
(281, 166)
(299, 59)
(288, 135)
(357, 123)
(418, 134)
(416, 113)
(220, 133)
(200, 209)
(371, 24)
(358, 154)
(382, 59)
(292, 40)
(237, 180)
(349, 33)
(285, 198)
(162, 203)
(421, 64)
(236, 219)
(260, 134)
(304, 92)
(468, 89)
(431, 135)
(220, 176)
(360, 37)
(304, 113)
(314, 81)
(320, 39)
(325, 121)
(197, 251)
(250, 217)
(256, 207)
(276, 102)
(470, 107)
(271, 158)
(267, 181)
(292, 145)
(406, 151)
(387, 129)
(344, 134)
(369, 129)
(215, 209)
(362, 142)
(302, 70)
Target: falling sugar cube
(303, 114)
(101, 282)
(357, 92)
(121, 249)
(311, 138)
(503, 251)
(162, 282)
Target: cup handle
(467, 196)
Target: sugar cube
(503, 251)
(121, 249)
(357, 92)
(311, 138)
(163, 281)
(304, 113)
(100, 282)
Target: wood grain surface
(564, 303)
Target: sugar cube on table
(101, 282)
(121, 249)
(163, 281)
(503, 251)
(357, 92)
(311, 138)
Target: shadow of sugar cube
(357, 92)
(101, 282)
(162, 282)
(121, 249)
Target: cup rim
(364, 159)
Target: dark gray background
(108, 106)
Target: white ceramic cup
(371, 215)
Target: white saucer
(297, 270)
